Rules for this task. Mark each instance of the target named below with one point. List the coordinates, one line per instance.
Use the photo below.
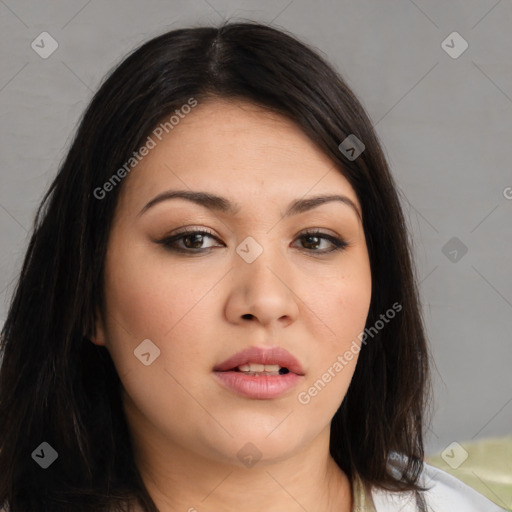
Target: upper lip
(271, 355)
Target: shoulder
(445, 493)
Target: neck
(179, 478)
(207, 486)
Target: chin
(258, 447)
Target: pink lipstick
(260, 373)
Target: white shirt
(446, 494)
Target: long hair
(57, 387)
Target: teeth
(254, 367)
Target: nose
(262, 291)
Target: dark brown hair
(58, 387)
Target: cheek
(145, 300)
(147, 296)
(348, 310)
(342, 304)
(342, 301)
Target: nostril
(248, 316)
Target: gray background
(445, 124)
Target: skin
(187, 428)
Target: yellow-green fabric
(487, 469)
(362, 496)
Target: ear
(99, 335)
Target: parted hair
(58, 387)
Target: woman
(218, 307)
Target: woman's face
(258, 282)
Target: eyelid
(197, 228)
(191, 230)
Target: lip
(260, 387)
(272, 355)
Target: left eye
(193, 240)
(314, 238)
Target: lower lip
(260, 387)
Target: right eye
(191, 240)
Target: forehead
(238, 149)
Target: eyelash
(169, 242)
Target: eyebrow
(221, 204)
